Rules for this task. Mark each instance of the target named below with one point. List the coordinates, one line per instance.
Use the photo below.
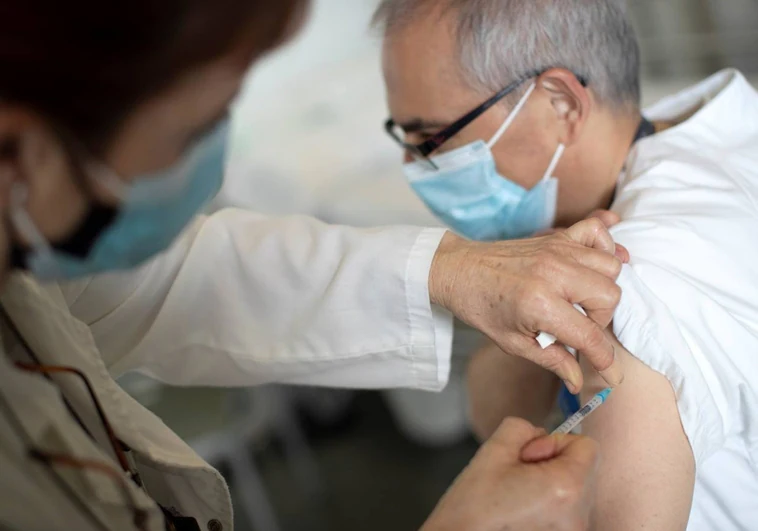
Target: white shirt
(240, 300)
(689, 310)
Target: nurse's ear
(32, 155)
(571, 101)
(29, 150)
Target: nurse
(112, 136)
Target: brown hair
(85, 64)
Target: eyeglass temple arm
(140, 515)
(43, 369)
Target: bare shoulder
(647, 471)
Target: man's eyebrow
(417, 124)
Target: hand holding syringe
(577, 418)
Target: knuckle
(615, 295)
(594, 338)
(561, 239)
(607, 293)
(552, 358)
(564, 490)
(608, 297)
(538, 302)
(596, 225)
(616, 266)
(557, 240)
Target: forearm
(501, 386)
(244, 299)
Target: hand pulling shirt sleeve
(689, 310)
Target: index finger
(512, 435)
(575, 330)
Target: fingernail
(622, 253)
(613, 375)
(575, 376)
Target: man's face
(427, 92)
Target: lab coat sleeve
(242, 299)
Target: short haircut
(501, 41)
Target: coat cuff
(431, 326)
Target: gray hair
(501, 41)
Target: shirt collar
(727, 109)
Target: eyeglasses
(421, 152)
(52, 460)
(115, 443)
(139, 516)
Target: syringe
(577, 418)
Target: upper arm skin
(647, 471)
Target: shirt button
(215, 525)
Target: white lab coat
(239, 300)
(689, 204)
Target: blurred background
(308, 139)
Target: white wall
(308, 125)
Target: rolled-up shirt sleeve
(243, 299)
(688, 307)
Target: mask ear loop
(554, 163)
(512, 116)
(108, 179)
(24, 224)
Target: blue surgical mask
(153, 211)
(468, 194)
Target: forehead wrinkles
(421, 67)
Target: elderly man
(521, 115)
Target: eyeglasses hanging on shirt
(51, 460)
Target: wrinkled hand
(513, 290)
(517, 481)
(609, 219)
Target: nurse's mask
(153, 210)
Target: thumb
(608, 217)
(512, 435)
(598, 239)
(592, 233)
(582, 452)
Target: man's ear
(571, 102)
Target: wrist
(442, 272)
